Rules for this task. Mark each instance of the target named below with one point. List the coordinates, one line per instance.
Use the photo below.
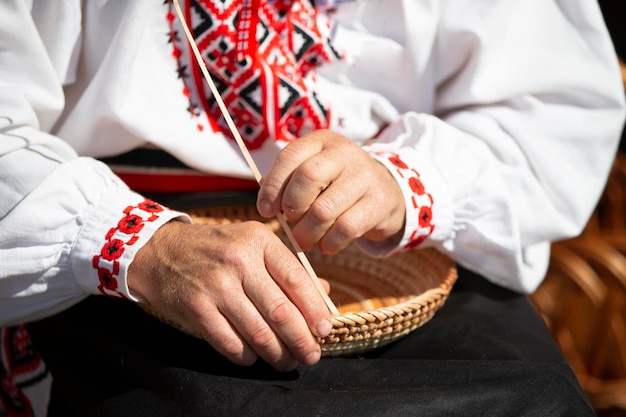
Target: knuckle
(322, 210)
(262, 336)
(308, 173)
(231, 347)
(256, 230)
(221, 285)
(343, 232)
(289, 155)
(241, 251)
(304, 344)
(194, 305)
(270, 188)
(246, 227)
(346, 228)
(294, 277)
(280, 313)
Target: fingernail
(323, 328)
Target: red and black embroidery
(124, 234)
(421, 200)
(20, 367)
(261, 55)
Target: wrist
(151, 259)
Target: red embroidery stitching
(422, 201)
(260, 53)
(126, 233)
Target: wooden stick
(246, 154)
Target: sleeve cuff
(111, 237)
(429, 213)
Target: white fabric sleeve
(69, 227)
(530, 107)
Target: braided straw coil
(379, 299)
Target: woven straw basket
(379, 300)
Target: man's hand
(333, 192)
(238, 286)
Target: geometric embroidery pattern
(261, 55)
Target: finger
(283, 337)
(307, 183)
(369, 217)
(213, 327)
(293, 279)
(326, 210)
(288, 159)
(248, 319)
(348, 227)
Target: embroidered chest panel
(261, 55)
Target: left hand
(333, 192)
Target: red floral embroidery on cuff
(422, 201)
(106, 263)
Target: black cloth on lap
(485, 353)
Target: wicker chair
(583, 298)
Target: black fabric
(485, 353)
(614, 12)
(147, 157)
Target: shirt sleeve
(529, 111)
(69, 226)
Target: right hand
(237, 286)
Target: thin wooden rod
(246, 154)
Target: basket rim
(355, 332)
(415, 302)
